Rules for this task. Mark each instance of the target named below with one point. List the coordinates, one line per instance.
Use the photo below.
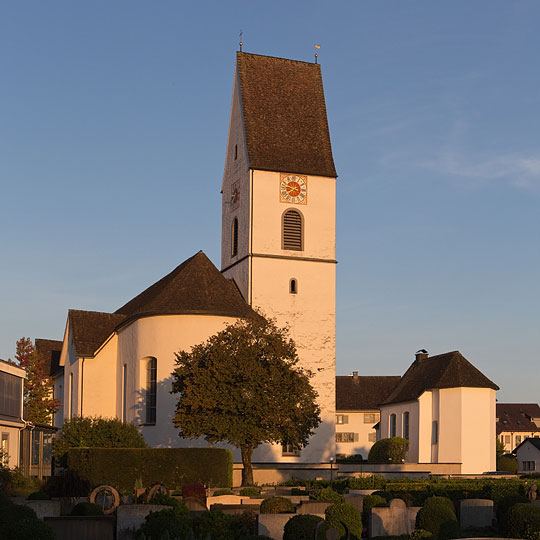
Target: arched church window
(293, 237)
(124, 393)
(293, 286)
(406, 425)
(234, 247)
(392, 425)
(151, 390)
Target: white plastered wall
(412, 407)
(355, 424)
(528, 452)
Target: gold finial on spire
(241, 33)
(317, 47)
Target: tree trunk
(247, 472)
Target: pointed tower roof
(448, 370)
(196, 286)
(284, 115)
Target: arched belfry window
(234, 246)
(293, 286)
(293, 233)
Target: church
(278, 255)
(278, 244)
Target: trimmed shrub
(523, 520)
(172, 466)
(277, 505)
(392, 450)
(420, 534)
(219, 526)
(86, 509)
(68, 484)
(345, 513)
(503, 509)
(38, 496)
(27, 529)
(250, 492)
(367, 482)
(302, 527)
(438, 516)
(368, 503)
(219, 492)
(194, 490)
(298, 492)
(166, 500)
(164, 522)
(95, 432)
(328, 494)
(13, 513)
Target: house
(446, 408)
(11, 411)
(278, 255)
(357, 411)
(516, 422)
(528, 455)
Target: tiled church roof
(448, 370)
(285, 115)
(49, 350)
(196, 286)
(360, 393)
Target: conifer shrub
(523, 521)
(392, 450)
(302, 527)
(86, 509)
(340, 513)
(438, 516)
(277, 505)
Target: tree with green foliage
(39, 403)
(96, 432)
(244, 386)
(392, 450)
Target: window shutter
(345, 418)
(292, 230)
(356, 437)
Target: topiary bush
(86, 509)
(165, 522)
(327, 494)
(277, 505)
(13, 513)
(302, 527)
(38, 496)
(420, 534)
(392, 450)
(340, 513)
(250, 492)
(503, 509)
(438, 516)
(166, 500)
(523, 520)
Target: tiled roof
(91, 328)
(284, 115)
(517, 417)
(448, 370)
(49, 350)
(360, 393)
(196, 286)
(535, 441)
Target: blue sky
(113, 125)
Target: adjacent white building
(446, 408)
(528, 456)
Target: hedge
(121, 467)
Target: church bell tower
(278, 220)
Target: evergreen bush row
(169, 466)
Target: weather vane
(241, 33)
(317, 47)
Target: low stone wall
(44, 509)
(82, 527)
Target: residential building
(528, 456)
(11, 411)
(357, 411)
(446, 408)
(516, 422)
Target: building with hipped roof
(445, 407)
(516, 422)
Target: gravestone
(130, 517)
(356, 501)
(272, 525)
(475, 513)
(317, 508)
(395, 519)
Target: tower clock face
(293, 189)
